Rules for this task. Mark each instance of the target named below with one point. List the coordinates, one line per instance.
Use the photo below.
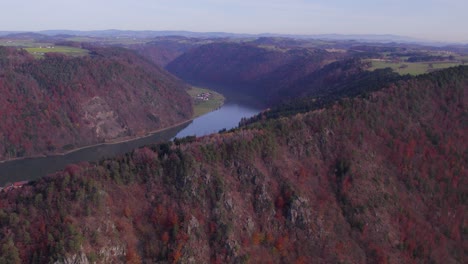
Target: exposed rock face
(300, 213)
(59, 103)
(111, 254)
(74, 259)
(98, 115)
(379, 179)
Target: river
(227, 116)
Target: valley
(157, 147)
(224, 117)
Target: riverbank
(27, 169)
(205, 100)
(200, 108)
(110, 142)
(36, 168)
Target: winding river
(227, 116)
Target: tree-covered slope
(278, 74)
(163, 50)
(376, 180)
(58, 103)
(247, 68)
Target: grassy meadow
(412, 68)
(70, 51)
(39, 49)
(202, 107)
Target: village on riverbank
(205, 100)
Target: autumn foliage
(59, 103)
(376, 179)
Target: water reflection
(34, 168)
(228, 116)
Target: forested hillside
(164, 50)
(248, 68)
(59, 103)
(335, 81)
(278, 74)
(381, 179)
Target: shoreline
(110, 142)
(123, 139)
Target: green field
(21, 43)
(110, 40)
(202, 107)
(413, 68)
(38, 49)
(71, 51)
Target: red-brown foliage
(384, 181)
(59, 103)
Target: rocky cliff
(59, 103)
(380, 179)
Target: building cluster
(204, 96)
(12, 186)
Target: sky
(440, 20)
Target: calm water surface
(228, 116)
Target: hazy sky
(430, 19)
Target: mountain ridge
(59, 102)
(379, 38)
(375, 179)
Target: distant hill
(277, 73)
(26, 35)
(378, 38)
(59, 103)
(142, 33)
(380, 179)
(163, 50)
(248, 68)
(374, 38)
(239, 64)
(4, 33)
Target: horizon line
(406, 38)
